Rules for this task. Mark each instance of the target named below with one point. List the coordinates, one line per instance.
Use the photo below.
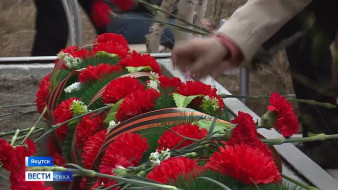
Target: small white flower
(207, 98)
(153, 76)
(71, 62)
(73, 87)
(62, 55)
(111, 125)
(153, 84)
(156, 158)
(78, 107)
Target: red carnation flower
(70, 49)
(59, 160)
(110, 47)
(94, 73)
(119, 88)
(196, 88)
(287, 122)
(124, 5)
(137, 60)
(110, 162)
(75, 51)
(6, 154)
(100, 12)
(111, 37)
(92, 147)
(169, 139)
(52, 146)
(88, 127)
(42, 94)
(172, 168)
(63, 113)
(246, 164)
(166, 82)
(246, 133)
(20, 152)
(130, 146)
(135, 103)
(18, 182)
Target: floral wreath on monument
(115, 120)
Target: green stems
(2, 134)
(10, 115)
(290, 98)
(18, 113)
(319, 137)
(312, 102)
(92, 173)
(34, 132)
(35, 125)
(72, 119)
(18, 105)
(305, 186)
(202, 31)
(15, 136)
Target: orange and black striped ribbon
(152, 119)
(54, 96)
(75, 153)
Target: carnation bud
(209, 105)
(190, 155)
(78, 107)
(120, 171)
(268, 120)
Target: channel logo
(48, 176)
(39, 161)
(45, 175)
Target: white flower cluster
(156, 158)
(111, 125)
(78, 107)
(73, 87)
(70, 61)
(154, 82)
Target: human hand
(208, 25)
(201, 57)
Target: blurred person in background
(134, 24)
(265, 23)
(52, 28)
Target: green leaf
(54, 81)
(105, 54)
(67, 142)
(113, 111)
(310, 134)
(183, 101)
(212, 126)
(138, 69)
(215, 182)
(219, 126)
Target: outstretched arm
(238, 39)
